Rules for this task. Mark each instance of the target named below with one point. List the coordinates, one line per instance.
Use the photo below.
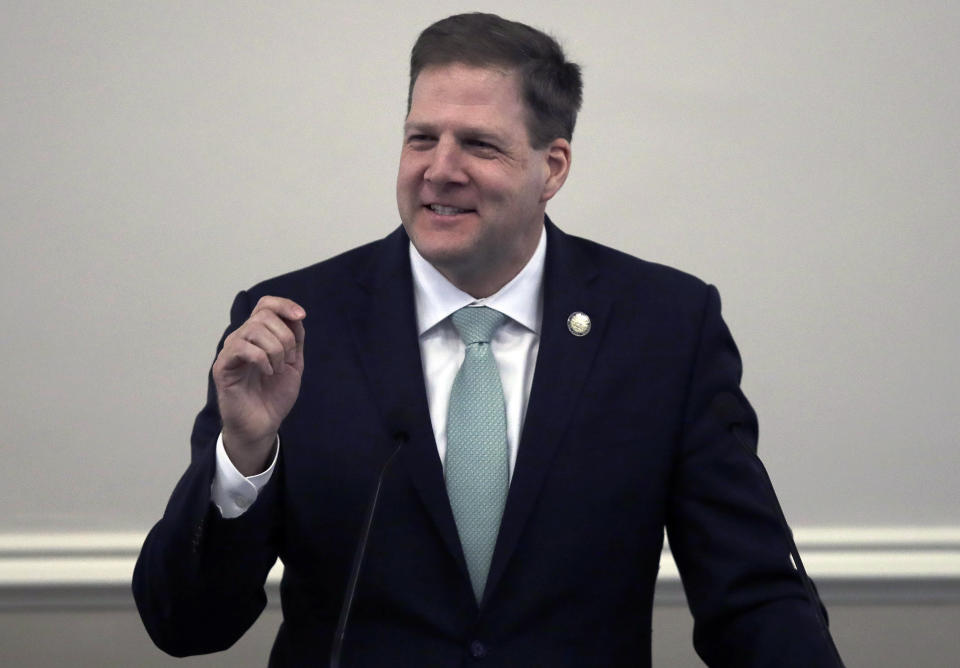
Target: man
(522, 521)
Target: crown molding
(850, 565)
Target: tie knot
(476, 324)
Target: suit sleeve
(749, 605)
(198, 582)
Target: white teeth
(446, 210)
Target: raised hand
(257, 375)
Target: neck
(487, 275)
(481, 285)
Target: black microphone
(400, 436)
(731, 412)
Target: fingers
(238, 353)
(284, 319)
(299, 334)
(271, 338)
(282, 307)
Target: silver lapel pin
(578, 323)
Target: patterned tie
(477, 468)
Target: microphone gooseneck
(400, 437)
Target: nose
(446, 163)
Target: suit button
(477, 649)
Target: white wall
(157, 157)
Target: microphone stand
(337, 647)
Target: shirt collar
(520, 299)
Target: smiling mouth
(442, 210)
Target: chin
(441, 254)
(440, 245)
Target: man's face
(470, 189)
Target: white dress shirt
(514, 345)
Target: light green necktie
(476, 466)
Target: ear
(557, 158)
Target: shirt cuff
(232, 492)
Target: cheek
(403, 176)
(407, 184)
(410, 169)
(502, 189)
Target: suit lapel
(386, 334)
(563, 362)
(389, 350)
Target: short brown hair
(551, 86)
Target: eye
(480, 146)
(420, 141)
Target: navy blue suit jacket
(620, 441)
